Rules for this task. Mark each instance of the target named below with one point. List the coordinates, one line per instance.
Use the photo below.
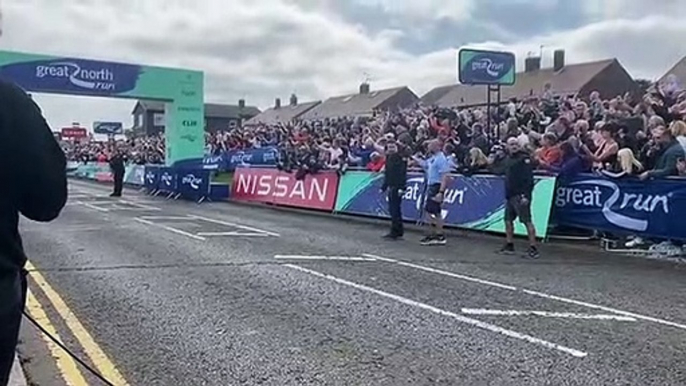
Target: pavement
(154, 292)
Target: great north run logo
(89, 79)
(618, 207)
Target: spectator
(549, 154)
(477, 160)
(605, 157)
(678, 129)
(571, 162)
(672, 151)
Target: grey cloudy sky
(262, 49)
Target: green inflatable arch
(182, 90)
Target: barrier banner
(315, 191)
(135, 175)
(193, 185)
(167, 181)
(476, 202)
(152, 178)
(623, 206)
(230, 160)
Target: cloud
(259, 50)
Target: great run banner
(470, 202)
(623, 206)
(97, 171)
(230, 160)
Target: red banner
(74, 132)
(316, 191)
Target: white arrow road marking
(546, 314)
(327, 258)
(435, 310)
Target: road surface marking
(459, 318)
(536, 293)
(94, 352)
(444, 273)
(221, 234)
(163, 218)
(170, 229)
(547, 314)
(140, 205)
(607, 309)
(230, 224)
(65, 364)
(87, 205)
(328, 258)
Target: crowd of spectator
(138, 150)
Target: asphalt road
(174, 293)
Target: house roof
(283, 114)
(569, 80)
(678, 70)
(212, 110)
(352, 105)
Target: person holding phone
(37, 189)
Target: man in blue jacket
(34, 184)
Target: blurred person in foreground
(519, 186)
(437, 169)
(37, 190)
(395, 179)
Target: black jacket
(395, 174)
(33, 178)
(117, 164)
(666, 164)
(519, 175)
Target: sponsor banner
(108, 128)
(101, 172)
(74, 132)
(167, 182)
(622, 206)
(193, 185)
(73, 76)
(135, 175)
(152, 178)
(470, 202)
(230, 160)
(272, 186)
(486, 67)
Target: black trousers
(12, 299)
(395, 200)
(118, 183)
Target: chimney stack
(532, 64)
(241, 103)
(277, 103)
(294, 100)
(558, 60)
(364, 88)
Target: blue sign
(151, 180)
(73, 76)
(486, 67)
(194, 185)
(228, 161)
(622, 206)
(167, 180)
(109, 128)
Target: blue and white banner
(193, 185)
(152, 178)
(622, 206)
(108, 128)
(228, 161)
(167, 180)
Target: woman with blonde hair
(678, 129)
(628, 162)
(477, 159)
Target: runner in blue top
(437, 174)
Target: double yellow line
(66, 365)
